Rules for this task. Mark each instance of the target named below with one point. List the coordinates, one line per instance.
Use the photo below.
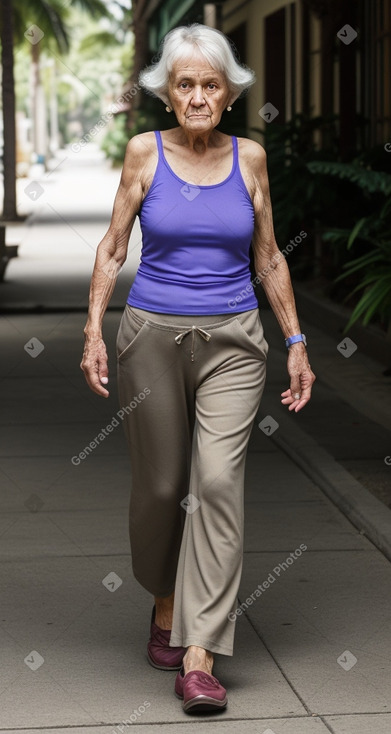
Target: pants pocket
(129, 331)
(251, 328)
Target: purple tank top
(195, 244)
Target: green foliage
(116, 139)
(48, 16)
(94, 42)
(372, 268)
(365, 178)
(51, 16)
(312, 189)
(298, 197)
(90, 77)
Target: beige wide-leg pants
(189, 389)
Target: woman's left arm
(273, 272)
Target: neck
(199, 141)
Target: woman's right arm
(110, 256)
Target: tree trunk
(8, 99)
(39, 106)
(140, 30)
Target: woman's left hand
(302, 378)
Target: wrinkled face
(198, 94)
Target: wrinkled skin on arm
(110, 256)
(272, 269)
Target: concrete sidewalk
(312, 651)
(69, 211)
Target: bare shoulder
(252, 161)
(252, 153)
(139, 147)
(140, 160)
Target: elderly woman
(191, 353)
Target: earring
(229, 108)
(168, 109)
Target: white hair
(180, 43)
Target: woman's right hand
(111, 255)
(94, 364)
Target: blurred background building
(302, 66)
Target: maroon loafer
(200, 691)
(159, 652)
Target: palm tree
(139, 26)
(49, 16)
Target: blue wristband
(296, 338)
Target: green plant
(115, 141)
(312, 189)
(374, 266)
(371, 233)
(298, 196)
(367, 179)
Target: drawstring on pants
(205, 335)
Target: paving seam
(212, 721)
(280, 668)
(70, 727)
(368, 514)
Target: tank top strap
(235, 152)
(235, 147)
(159, 144)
